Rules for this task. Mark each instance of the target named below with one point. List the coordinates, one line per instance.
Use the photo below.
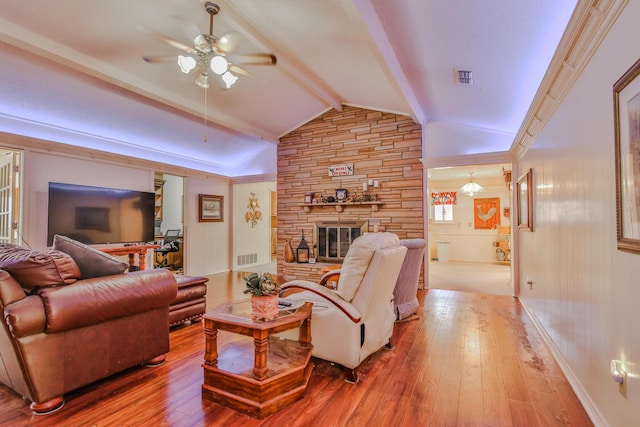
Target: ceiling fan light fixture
(186, 63)
(202, 80)
(229, 79)
(219, 65)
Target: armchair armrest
(100, 299)
(328, 275)
(26, 316)
(326, 295)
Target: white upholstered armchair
(405, 293)
(356, 319)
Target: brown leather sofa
(60, 332)
(191, 300)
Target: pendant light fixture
(471, 188)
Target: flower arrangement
(261, 285)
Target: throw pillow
(38, 269)
(92, 262)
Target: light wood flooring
(466, 360)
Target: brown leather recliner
(57, 338)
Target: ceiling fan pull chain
(205, 115)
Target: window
(443, 212)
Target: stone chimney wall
(382, 146)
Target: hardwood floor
(466, 359)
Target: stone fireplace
(381, 146)
(333, 238)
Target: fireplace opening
(333, 238)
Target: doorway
(169, 221)
(10, 196)
(469, 238)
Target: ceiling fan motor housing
(211, 8)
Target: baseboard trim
(589, 406)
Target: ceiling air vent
(463, 77)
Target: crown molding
(35, 145)
(590, 23)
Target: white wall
(206, 244)
(247, 239)
(585, 292)
(40, 169)
(467, 243)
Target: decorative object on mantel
(471, 188)
(264, 292)
(288, 252)
(254, 214)
(341, 170)
(308, 197)
(341, 195)
(302, 253)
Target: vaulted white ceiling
(72, 72)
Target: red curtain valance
(444, 198)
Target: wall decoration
(524, 201)
(486, 213)
(341, 170)
(254, 214)
(626, 97)
(210, 208)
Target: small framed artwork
(524, 201)
(626, 106)
(210, 208)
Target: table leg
(141, 259)
(305, 333)
(211, 347)
(260, 360)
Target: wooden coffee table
(259, 376)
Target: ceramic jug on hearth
(288, 252)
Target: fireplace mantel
(375, 206)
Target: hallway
(482, 278)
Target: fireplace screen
(334, 238)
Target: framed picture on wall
(524, 201)
(210, 208)
(626, 105)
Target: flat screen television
(100, 215)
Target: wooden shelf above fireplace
(375, 206)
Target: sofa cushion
(10, 289)
(37, 269)
(92, 262)
(357, 261)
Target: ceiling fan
(211, 53)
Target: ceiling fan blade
(236, 69)
(159, 58)
(253, 59)
(163, 38)
(189, 28)
(228, 42)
